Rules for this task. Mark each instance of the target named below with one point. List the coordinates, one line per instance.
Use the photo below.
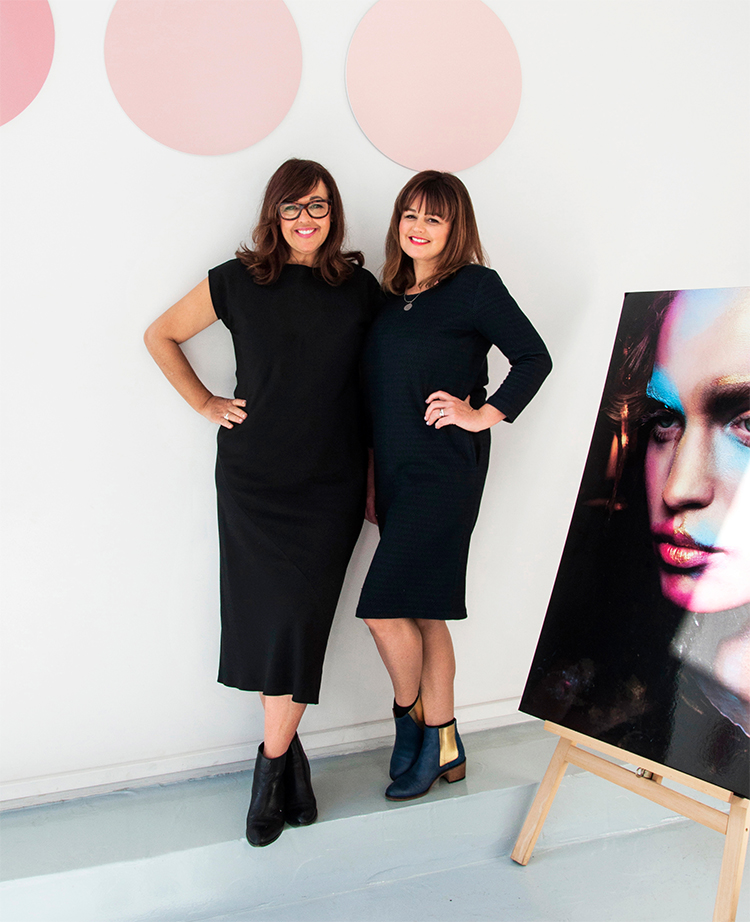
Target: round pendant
(407, 307)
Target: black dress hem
(431, 615)
(269, 694)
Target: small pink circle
(27, 43)
(433, 85)
(208, 77)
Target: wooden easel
(646, 781)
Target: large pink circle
(27, 43)
(433, 85)
(204, 76)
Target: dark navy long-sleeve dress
(429, 481)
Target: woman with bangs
(291, 470)
(426, 371)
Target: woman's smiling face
(422, 236)
(305, 235)
(698, 456)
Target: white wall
(626, 170)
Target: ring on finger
(226, 416)
(442, 411)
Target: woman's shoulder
(474, 274)
(234, 278)
(472, 279)
(231, 269)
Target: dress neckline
(439, 285)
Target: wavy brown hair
(270, 252)
(443, 195)
(627, 401)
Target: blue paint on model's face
(704, 534)
(661, 387)
(698, 310)
(732, 455)
(697, 465)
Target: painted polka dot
(433, 85)
(27, 43)
(207, 77)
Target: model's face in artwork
(423, 236)
(698, 456)
(304, 234)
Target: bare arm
(183, 320)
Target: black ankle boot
(265, 818)
(300, 808)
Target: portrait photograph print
(646, 640)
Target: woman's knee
(377, 626)
(431, 628)
(389, 627)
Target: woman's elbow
(546, 363)
(151, 337)
(155, 337)
(542, 363)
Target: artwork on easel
(646, 641)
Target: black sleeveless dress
(428, 481)
(291, 478)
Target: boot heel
(442, 756)
(456, 774)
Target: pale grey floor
(657, 875)
(176, 853)
(156, 820)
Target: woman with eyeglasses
(426, 370)
(292, 461)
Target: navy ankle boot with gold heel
(442, 756)
(408, 743)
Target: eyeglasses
(290, 211)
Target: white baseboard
(26, 792)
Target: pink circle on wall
(433, 85)
(204, 76)
(27, 43)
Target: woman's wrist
(489, 415)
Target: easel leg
(733, 862)
(542, 802)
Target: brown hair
(444, 195)
(628, 401)
(291, 181)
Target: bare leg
(282, 717)
(399, 642)
(438, 672)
